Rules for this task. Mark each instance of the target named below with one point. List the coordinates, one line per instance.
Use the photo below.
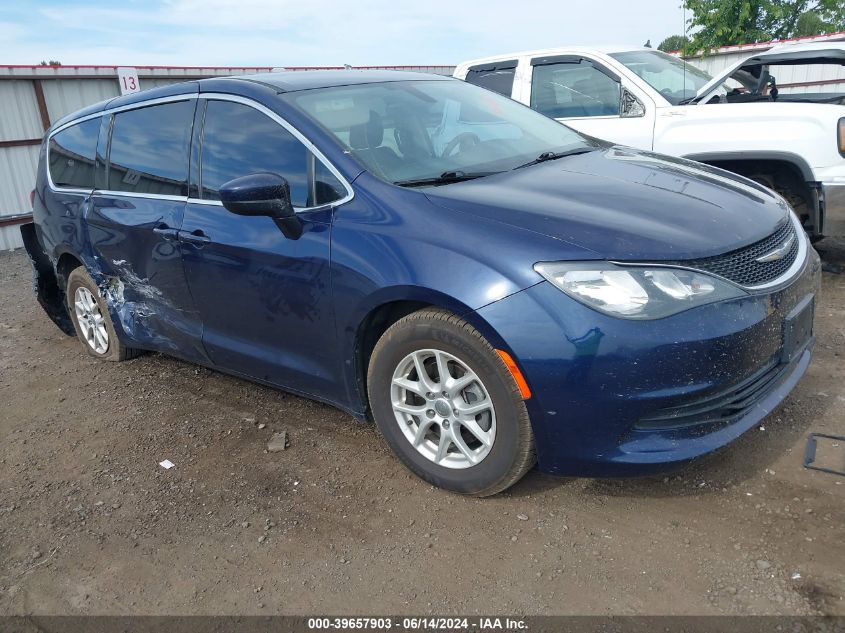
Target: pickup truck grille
(741, 266)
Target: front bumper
(834, 208)
(598, 382)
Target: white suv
(789, 139)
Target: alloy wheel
(443, 408)
(91, 320)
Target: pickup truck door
(586, 95)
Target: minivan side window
(149, 149)
(574, 88)
(72, 153)
(238, 140)
(497, 76)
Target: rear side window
(497, 77)
(72, 153)
(239, 140)
(149, 149)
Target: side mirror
(262, 194)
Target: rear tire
(91, 319)
(477, 412)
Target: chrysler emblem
(779, 253)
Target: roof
(310, 79)
(834, 48)
(543, 52)
(280, 81)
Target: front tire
(447, 405)
(91, 319)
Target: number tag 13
(128, 80)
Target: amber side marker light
(841, 136)
(524, 391)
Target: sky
(280, 33)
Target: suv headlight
(636, 292)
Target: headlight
(636, 292)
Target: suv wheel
(448, 406)
(91, 318)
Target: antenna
(684, 61)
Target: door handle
(196, 237)
(166, 233)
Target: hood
(783, 55)
(625, 204)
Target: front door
(591, 98)
(265, 299)
(136, 213)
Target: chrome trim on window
(215, 203)
(211, 96)
(138, 194)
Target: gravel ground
(91, 524)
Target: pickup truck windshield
(435, 131)
(673, 78)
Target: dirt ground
(91, 524)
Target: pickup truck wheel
(447, 405)
(790, 191)
(91, 319)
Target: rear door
(265, 299)
(137, 210)
(496, 76)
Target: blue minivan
(492, 288)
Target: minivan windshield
(435, 131)
(672, 77)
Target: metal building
(33, 97)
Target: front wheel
(447, 405)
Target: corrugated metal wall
(20, 120)
(67, 89)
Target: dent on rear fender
(130, 298)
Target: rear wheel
(447, 405)
(91, 319)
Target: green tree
(717, 23)
(810, 23)
(673, 43)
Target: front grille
(723, 407)
(741, 267)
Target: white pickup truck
(782, 136)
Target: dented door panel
(137, 251)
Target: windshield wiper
(446, 178)
(547, 156)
